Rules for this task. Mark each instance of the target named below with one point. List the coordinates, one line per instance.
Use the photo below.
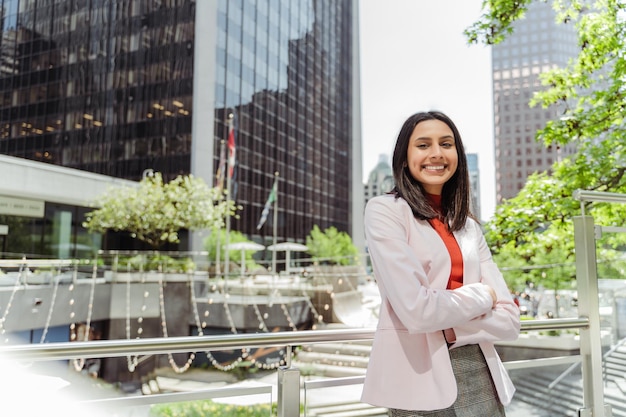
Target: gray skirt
(477, 394)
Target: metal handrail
(288, 377)
(123, 347)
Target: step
(615, 366)
(621, 384)
(337, 408)
(545, 396)
(341, 348)
(347, 410)
(370, 412)
(562, 400)
(334, 371)
(332, 359)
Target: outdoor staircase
(335, 360)
(615, 367)
(566, 398)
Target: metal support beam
(288, 392)
(588, 306)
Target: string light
(170, 357)
(79, 364)
(7, 309)
(57, 279)
(133, 361)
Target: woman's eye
(447, 145)
(422, 146)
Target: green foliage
(219, 236)
(209, 408)
(535, 227)
(496, 23)
(154, 211)
(331, 246)
(155, 262)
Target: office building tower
(474, 177)
(380, 180)
(537, 44)
(121, 87)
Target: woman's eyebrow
(429, 138)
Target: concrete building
(474, 176)
(380, 179)
(118, 88)
(537, 45)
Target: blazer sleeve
(501, 323)
(400, 266)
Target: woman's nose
(435, 151)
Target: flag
(268, 205)
(221, 168)
(231, 151)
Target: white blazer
(409, 366)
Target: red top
(456, 272)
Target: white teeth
(432, 167)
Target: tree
(331, 246)
(535, 227)
(154, 211)
(219, 237)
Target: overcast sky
(414, 57)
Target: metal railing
(288, 377)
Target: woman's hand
(494, 298)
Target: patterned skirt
(477, 394)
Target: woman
(444, 301)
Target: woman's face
(432, 156)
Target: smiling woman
(443, 300)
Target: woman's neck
(435, 201)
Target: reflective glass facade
(107, 86)
(102, 86)
(286, 67)
(536, 45)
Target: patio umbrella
(288, 247)
(243, 247)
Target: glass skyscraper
(118, 87)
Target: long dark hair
(455, 196)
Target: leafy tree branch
(154, 211)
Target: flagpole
(220, 184)
(275, 225)
(228, 189)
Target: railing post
(588, 306)
(288, 401)
(288, 392)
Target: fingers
(492, 292)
